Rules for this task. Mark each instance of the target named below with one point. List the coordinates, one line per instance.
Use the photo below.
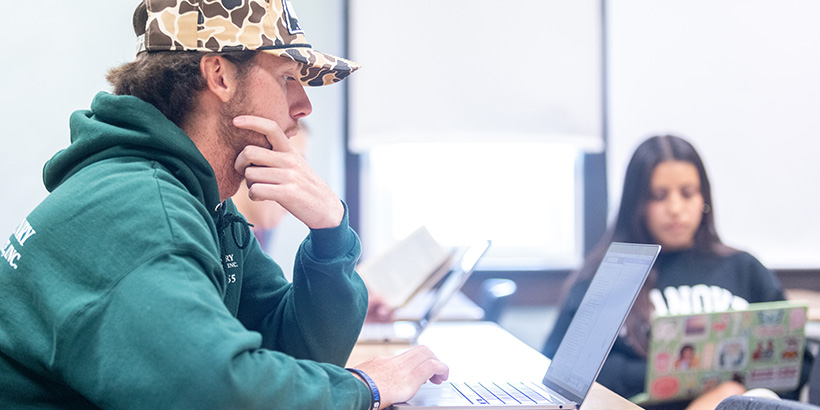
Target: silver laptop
(407, 332)
(580, 355)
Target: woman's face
(675, 206)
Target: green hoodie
(128, 287)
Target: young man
(136, 284)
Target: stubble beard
(233, 140)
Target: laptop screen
(455, 279)
(599, 318)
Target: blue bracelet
(375, 398)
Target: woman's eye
(657, 195)
(690, 192)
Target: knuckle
(253, 174)
(254, 154)
(254, 192)
(424, 350)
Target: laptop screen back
(454, 280)
(762, 346)
(599, 318)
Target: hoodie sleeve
(162, 338)
(320, 315)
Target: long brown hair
(630, 224)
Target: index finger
(270, 129)
(423, 359)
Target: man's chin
(231, 187)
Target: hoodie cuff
(330, 243)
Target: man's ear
(220, 76)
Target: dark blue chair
(495, 296)
(814, 382)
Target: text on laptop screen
(601, 314)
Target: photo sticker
(696, 325)
(732, 354)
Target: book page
(407, 267)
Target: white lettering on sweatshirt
(694, 299)
(23, 232)
(10, 254)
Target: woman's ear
(220, 76)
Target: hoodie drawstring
(241, 236)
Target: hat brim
(318, 68)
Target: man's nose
(300, 103)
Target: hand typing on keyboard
(399, 377)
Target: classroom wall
(56, 67)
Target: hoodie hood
(125, 126)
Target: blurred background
(511, 121)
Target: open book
(414, 264)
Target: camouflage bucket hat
(270, 26)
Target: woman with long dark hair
(667, 200)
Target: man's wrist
(375, 397)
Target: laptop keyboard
(503, 393)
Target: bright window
(522, 196)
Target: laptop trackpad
(436, 396)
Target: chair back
(762, 403)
